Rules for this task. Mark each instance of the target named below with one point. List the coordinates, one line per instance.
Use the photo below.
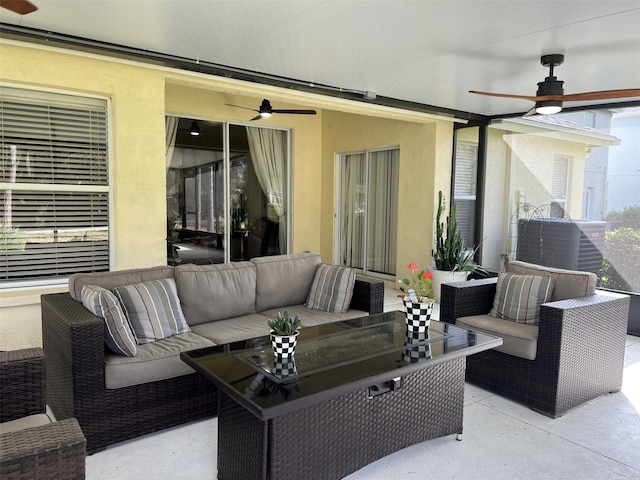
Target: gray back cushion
(284, 280)
(109, 280)
(216, 292)
(567, 283)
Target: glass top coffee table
(354, 392)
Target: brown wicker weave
(74, 344)
(339, 436)
(53, 451)
(22, 383)
(580, 353)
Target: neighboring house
(532, 162)
(623, 175)
(611, 174)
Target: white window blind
(54, 186)
(559, 178)
(465, 174)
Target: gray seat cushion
(284, 279)
(519, 339)
(109, 280)
(311, 317)
(216, 292)
(251, 326)
(567, 283)
(154, 361)
(234, 329)
(29, 421)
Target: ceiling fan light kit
(549, 107)
(194, 129)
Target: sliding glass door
(227, 192)
(368, 210)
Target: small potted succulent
(284, 333)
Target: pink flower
(427, 275)
(420, 281)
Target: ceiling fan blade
(21, 7)
(296, 112)
(256, 118)
(602, 95)
(530, 112)
(237, 106)
(505, 95)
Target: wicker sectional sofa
(116, 397)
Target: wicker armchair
(53, 450)
(580, 348)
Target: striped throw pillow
(518, 297)
(118, 335)
(332, 288)
(153, 309)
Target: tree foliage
(629, 217)
(621, 263)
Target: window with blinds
(54, 186)
(559, 179)
(465, 175)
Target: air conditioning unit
(561, 243)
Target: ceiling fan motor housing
(550, 86)
(265, 108)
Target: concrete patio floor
(501, 440)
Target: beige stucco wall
(425, 167)
(140, 95)
(137, 160)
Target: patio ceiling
(427, 52)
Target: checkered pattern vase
(416, 350)
(418, 315)
(284, 367)
(283, 346)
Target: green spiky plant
(11, 239)
(283, 324)
(450, 253)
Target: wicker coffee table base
(334, 438)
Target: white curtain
(173, 177)
(383, 211)
(369, 191)
(268, 154)
(170, 130)
(354, 206)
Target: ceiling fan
(266, 110)
(550, 95)
(21, 7)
